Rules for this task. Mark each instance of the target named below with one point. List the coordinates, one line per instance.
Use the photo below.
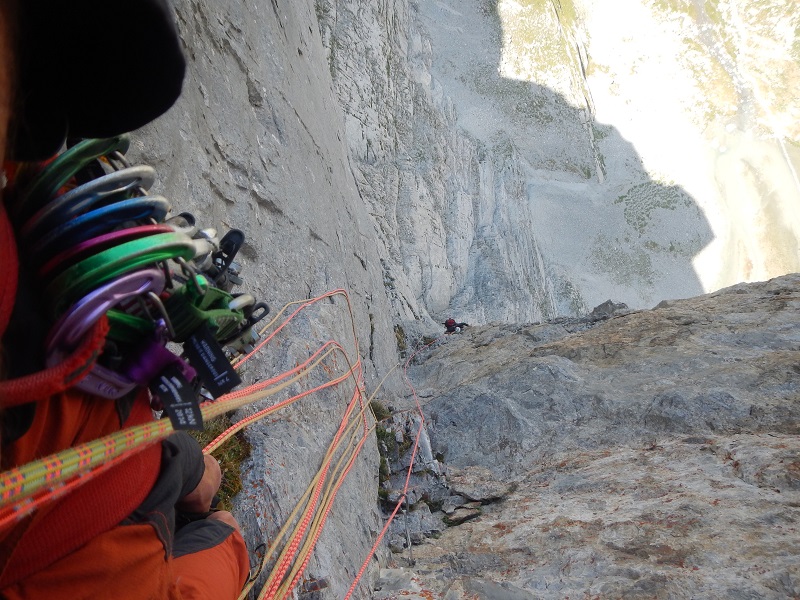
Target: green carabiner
(63, 167)
(81, 278)
(188, 310)
(128, 329)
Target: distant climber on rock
(452, 327)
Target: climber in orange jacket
(75, 68)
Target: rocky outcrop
(645, 454)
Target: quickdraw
(101, 245)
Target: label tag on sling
(212, 366)
(178, 397)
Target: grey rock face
(524, 161)
(690, 368)
(654, 454)
(476, 484)
(449, 205)
(256, 142)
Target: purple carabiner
(71, 327)
(68, 331)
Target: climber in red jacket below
(452, 327)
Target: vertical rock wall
(256, 142)
(527, 159)
(450, 207)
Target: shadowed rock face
(654, 453)
(525, 160)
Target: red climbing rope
(381, 535)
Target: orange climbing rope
(254, 390)
(31, 486)
(36, 484)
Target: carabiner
(92, 272)
(83, 198)
(70, 328)
(58, 172)
(97, 222)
